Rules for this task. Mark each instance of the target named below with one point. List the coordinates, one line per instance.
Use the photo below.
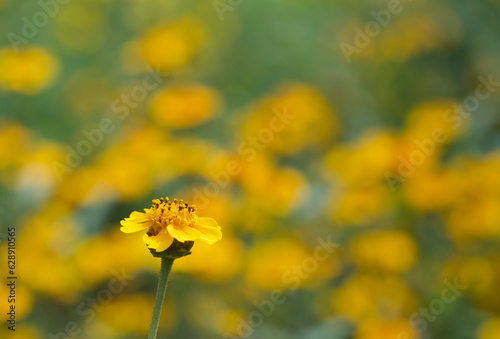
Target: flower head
(168, 220)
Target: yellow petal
(138, 217)
(160, 242)
(209, 229)
(184, 233)
(131, 227)
(147, 239)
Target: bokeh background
(223, 71)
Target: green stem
(166, 267)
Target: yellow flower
(282, 121)
(185, 105)
(130, 314)
(279, 263)
(14, 144)
(376, 328)
(387, 251)
(364, 296)
(168, 220)
(490, 329)
(224, 263)
(27, 72)
(427, 117)
(171, 45)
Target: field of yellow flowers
(349, 151)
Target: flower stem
(166, 267)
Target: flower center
(165, 212)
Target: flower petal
(209, 229)
(137, 216)
(184, 233)
(160, 242)
(131, 226)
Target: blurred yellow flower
(477, 273)
(214, 263)
(427, 117)
(365, 296)
(172, 45)
(287, 263)
(475, 213)
(275, 190)
(14, 143)
(366, 159)
(184, 105)
(390, 251)
(28, 71)
(23, 305)
(429, 190)
(25, 331)
(386, 329)
(490, 329)
(359, 205)
(42, 234)
(94, 267)
(291, 112)
(478, 220)
(116, 171)
(130, 314)
(167, 220)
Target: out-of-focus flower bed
(253, 113)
